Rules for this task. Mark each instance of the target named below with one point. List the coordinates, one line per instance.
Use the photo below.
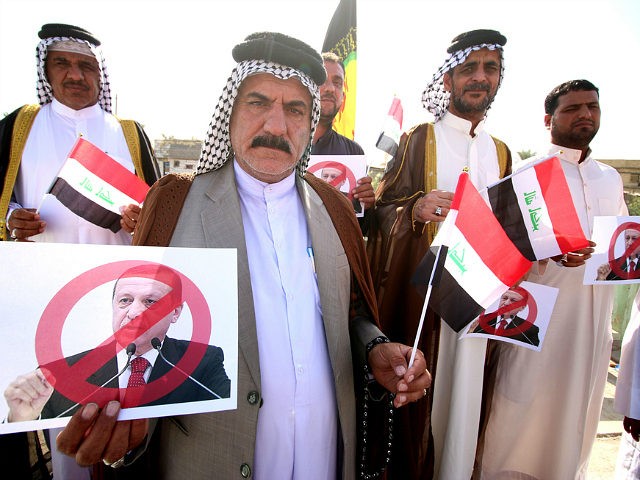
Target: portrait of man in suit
(335, 173)
(505, 322)
(626, 266)
(133, 367)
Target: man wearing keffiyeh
(306, 311)
(74, 98)
(437, 435)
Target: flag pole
(424, 308)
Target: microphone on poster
(131, 349)
(157, 344)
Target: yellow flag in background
(341, 39)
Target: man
(335, 173)
(74, 98)
(627, 401)
(326, 141)
(413, 197)
(560, 389)
(301, 329)
(135, 297)
(626, 266)
(505, 322)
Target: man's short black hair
(333, 58)
(551, 102)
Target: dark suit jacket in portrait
(210, 372)
(527, 336)
(621, 263)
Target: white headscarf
(45, 92)
(434, 98)
(217, 143)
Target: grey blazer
(221, 444)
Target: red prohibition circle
(616, 266)
(484, 319)
(351, 178)
(71, 380)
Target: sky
(169, 59)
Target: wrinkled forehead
(483, 55)
(511, 295)
(632, 233)
(71, 58)
(141, 284)
(267, 84)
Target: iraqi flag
(94, 186)
(477, 261)
(535, 208)
(390, 137)
(342, 39)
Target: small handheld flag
(94, 186)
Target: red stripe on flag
(484, 233)
(557, 197)
(105, 167)
(396, 111)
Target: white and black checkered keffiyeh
(434, 98)
(45, 93)
(217, 143)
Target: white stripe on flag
(535, 213)
(466, 266)
(93, 187)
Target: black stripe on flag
(448, 299)
(83, 207)
(504, 204)
(387, 144)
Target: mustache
(74, 83)
(583, 120)
(328, 96)
(478, 86)
(271, 141)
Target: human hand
(632, 427)
(433, 207)
(364, 192)
(27, 395)
(389, 365)
(94, 435)
(129, 219)
(577, 258)
(603, 271)
(24, 223)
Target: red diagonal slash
(484, 319)
(71, 380)
(616, 267)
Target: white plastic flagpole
(424, 308)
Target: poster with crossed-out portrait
(616, 255)
(520, 316)
(153, 328)
(341, 171)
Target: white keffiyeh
(217, 144)
(45, 92)
(434, 98)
